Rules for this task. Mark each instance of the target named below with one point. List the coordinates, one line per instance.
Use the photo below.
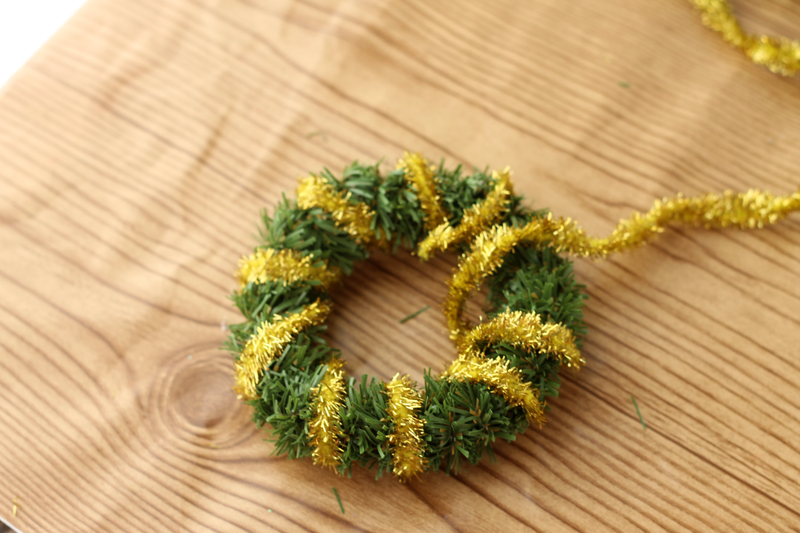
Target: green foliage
(285, 392)
(537, 368)
(462, 420)
(398, 213)
(312, 232)
(366, 422)
(458, 192)
(260, 302)
(540, 281)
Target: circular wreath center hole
(372, 322)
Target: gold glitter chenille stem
(748, 210)
(406, 440)
(475, 219)
(354, 218)
(287, 265)
(420, 175)
(523, 330)
(508, 382)
(324, 429)
(778, 54)
(269, 341)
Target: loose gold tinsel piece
(502, 380)
(354, 218)
(778, 54)
(324, 429)
(523, 330)
(474, 220)
(287, 265)
(749, 210)
(406, 439)
(268, 343)
(419, 174)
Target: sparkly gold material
(475, 219)
(406, 439)
(752, 209)
(420, 175)
(354, 218)
(324, 429)
(485, 256)
(287, 265)
(778, 54)
(502, 380)
(268, 343)
(524, 330)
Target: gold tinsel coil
(269, 341)
(287, 265)
(475, 219)
(418, 172)
(778, 54)
(524, 330)
(751, 209)
(354, 218)
(508, 382)
(406, 441)
(325, 427)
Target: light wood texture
(137, 148)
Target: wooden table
(137, 148)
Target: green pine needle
(338, 499)
(638, 412)
(414, 315)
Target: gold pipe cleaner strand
(406, 439)
(502, 380)
(419, 174)
(287, 265)
(474, 220)
(354, 218)
(485, 256)
(324, 429)
(518, 328)
(749, 210)
(268, 342)
(778, 54)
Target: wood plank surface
(138, 146)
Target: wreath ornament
(507, 365)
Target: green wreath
(507, 366)
(298, 387)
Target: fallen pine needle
(338, 499)
(638, 412)
(414, 315)
(320, 133)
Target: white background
(25, 25)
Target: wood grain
(137, 148)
